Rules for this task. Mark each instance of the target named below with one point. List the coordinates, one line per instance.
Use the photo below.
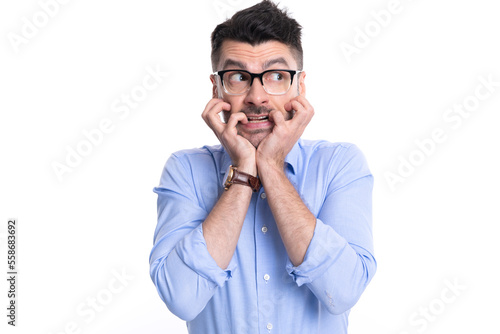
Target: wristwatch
(234, 176)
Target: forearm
(184, 282)
(294, 220)
(222, 227)
(336, 271)
(339, 262)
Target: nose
(256, 95)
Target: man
(265, 233)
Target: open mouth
(258, 119)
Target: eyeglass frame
(220, 74)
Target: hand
(241, 151)
(274, 148)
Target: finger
(303, 113)
(209, 106)
(305, 103)
(289, 105)
(302, 100)
(301, 118)
(235, 118)
(211, 115)
(213, 108)
(230, 133)
(277, 118)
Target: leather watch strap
(246, 179)
(234, 176)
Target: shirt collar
(292, 159)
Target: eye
(237, 76)
(275, 76)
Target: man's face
(257, 103)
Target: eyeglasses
(275, 82)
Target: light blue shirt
(261, 291)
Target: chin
(256, 138)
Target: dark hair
(258, 24)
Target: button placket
(263, 239)
(263, 196)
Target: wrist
(271, 166)
(235, 176)
(271, 172)
(248, 167)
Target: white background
(439, 225)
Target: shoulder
(194, 163)
(206, 160)
(323, 145)
(323, 148)
(199, 152)
(199, 157)
(338, 157)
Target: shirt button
(264, 229)
(266, 277)
(269, 326)
(263, 196)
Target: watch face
(229, 177)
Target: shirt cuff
(325, 247)
(192, 250)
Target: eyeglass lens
(275, 82)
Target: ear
(302, 85)
(215, 92)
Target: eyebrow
(238, 64)
(271, 62)
(233, 63)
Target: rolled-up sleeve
(339, 262)
(183, 271)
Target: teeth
(257, 119)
